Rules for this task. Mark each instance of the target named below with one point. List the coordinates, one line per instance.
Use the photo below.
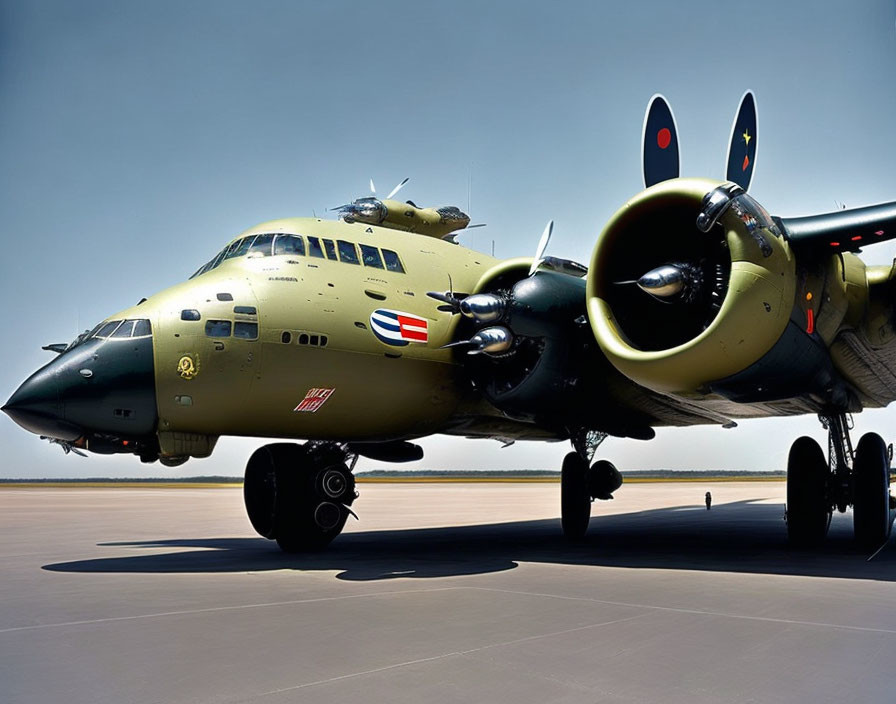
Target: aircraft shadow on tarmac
(735, 537)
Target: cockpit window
(261, 247)
(125, 329)
(245, 243)
(107, 329)
(231, 250)
(133, 327)
(371, 256)
(219, 257)
(314, 248)
(86, 335)
(268, 244)
(289, 244)
(393, 263)
(347, 252)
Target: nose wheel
(299, 495)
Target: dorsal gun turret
(435, 222)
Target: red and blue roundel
(397, 328)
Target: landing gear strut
(816, 487)
(299, 495)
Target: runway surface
(442, 593)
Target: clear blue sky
(136, 137)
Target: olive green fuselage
(314, 331)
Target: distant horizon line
(375, 473)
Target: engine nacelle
(722, 306)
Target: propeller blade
(742, 143)
(398, 187)
(495, 340)
(542, 246)
(459, 343)
(452, 302)
(341, 207)
(659, 143)
(372, 187)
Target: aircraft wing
(698, 308)
(842, 230)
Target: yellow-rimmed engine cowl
(735, 302)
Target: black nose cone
(37, 407)
(101, 388)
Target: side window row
(341, 250)
(248, 331)
(193, 314)
(222, 328)
(304, 338)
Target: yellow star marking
(747, 137)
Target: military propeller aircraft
(362, 334)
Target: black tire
(283, 502)
(260, 486)
(298, 531)
(808, 508)
(300, 504)
(871, 492)
(575, 502)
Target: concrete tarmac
(442, 593)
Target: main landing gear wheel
(575, 501)
(871, 491)
(298, 496)
(808, 508)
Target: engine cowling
(690, 283)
